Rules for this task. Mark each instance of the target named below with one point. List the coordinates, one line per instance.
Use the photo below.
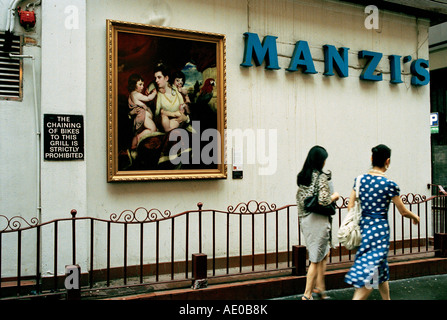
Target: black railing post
(108, 254)
(187, 245)
(441, 245)
(73, 282)
(19, 260)
(200, 205)
(38, 275)
(141, 251)
(73, 216)
(444, 214)
(299, 260)
(1, 264)
(55, 254)
(440, 238)
(92, 243)
(199, 270)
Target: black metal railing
(141, 246)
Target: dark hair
(162, 68)
(178, 74)
(380, 154)
(314, 161)
(132, 82)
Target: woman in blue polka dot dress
(370, 269)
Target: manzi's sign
(333, 59)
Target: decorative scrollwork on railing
(16, 223)
(344, 202)
(140, 215)
(412, 198)
(407, 199)
(252, 206)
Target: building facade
(368, 86)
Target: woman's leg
(149, 123)
(165, 123)
(384, 290)
(361, 293)
(311, 278)
(137, 138)
(321, 267)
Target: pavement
(432, 287)
(430, 290)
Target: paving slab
(419, 288)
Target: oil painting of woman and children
(167, 96)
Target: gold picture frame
(156, 129)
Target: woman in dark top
(316, 228)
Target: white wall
(18, 146)
(347, 116)
(64, 92)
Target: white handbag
(349, 233)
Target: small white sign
(434, 122)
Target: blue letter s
(421, 76)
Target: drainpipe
(38, 134)
(10, 21)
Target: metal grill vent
(10, 70)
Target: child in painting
(143, 118)
(169, 119)
(179, 81)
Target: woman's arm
(170, 113)
(324, 194)
(351, 199)
(403, 210)
(140, 98)
(177, 115)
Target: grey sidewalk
(422, 288)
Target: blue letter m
(266, 50)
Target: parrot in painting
(205, 104)
(206, 92)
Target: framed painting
(166, 113)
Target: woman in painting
(169, 103)
(169, 106)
